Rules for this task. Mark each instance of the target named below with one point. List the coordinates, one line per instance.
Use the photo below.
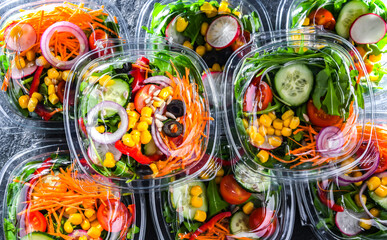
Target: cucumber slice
(348, 15)
(294, 83)
(118, 92)
(379, 200)
(150, 148)
(249, 180)
(239, 223)
(37, 236)
(181, 199)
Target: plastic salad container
(45, 198)
(214, 29)
(41, 40)
(233, 205)
(333, 207)
(142, 113)
(295, 105)
(362, 22)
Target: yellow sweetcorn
(208, 47)
(358, 174)
(142, 126)
(223, 8)
(146, 137)
(37, 96)
(136, 135)
(365, 223)
(30, 55)
(128, 140)
(32, 103)
(201, 50)
(294, 122)
(181, 24)
(270, 131)
(100, 129)
(147, 120)
(83, 238)
(262, 130)
(20, 62)
(52, 73)
(277, 132)
(265, 120)
(248, 208)
(94, 232)
(375, 58)
(68, 227)
(188, 44)
(89, 213)
(381, 191)
(71, 210)
(23, 101)
(278, 124)
(75, 219)
(154, 168)
(287, 122)
(306, 22)
(257, 138)
(216, 67)
(286, 132)
(106, 81)
(287, 114)
(275, 141)
(357, 199)
(196, 190)
(51, 89)
(200, 216)
(209, 10)
(384, 180)
(204, 28)
(375, 212)
(263, 156)
(220, 173)
(165, 93)
(109, 161)
(272, 115)
(373, 183)
(65, 75)
(53, 98)
(196, 201)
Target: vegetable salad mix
(39, 47)
(362, 22)
(213, 29)
(49, 200)
(142, 119)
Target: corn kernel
(262, 130)
(272, 115)
(275, 141)
(32, 104)
(374, 58)
(209, 10)
(71, 210)
(204, 28)
(47, 81)
(277, 132)
(286, 132)
(148, 120)
(68, 227)
(216, 67)
(256, 122)
(93, 217)
(287, 114)
(373, 183)
(128, 140)
(30, 55)
(265, 120)
(245, 123)
(223, 8)
(37, 96)
(365, 223)
(218, 180)
(75, 218)
(248, 208)
(384, 180)
(100, 129)
(347, 162)
(52, 73)
(136, 136)
(142, 126)
(196, 190)
(106, 81)
(154, 168)
(257, 138)
(251, 129)
(294, 122)
(381, 191)
(188, 44)
(51, 89)
(65, 75)
(146, 137)
(357, 199)
(375, 212)
(130, 107)
(20, 62)
(220, 173)
(41, 61)
(23, 101)
(287, 122)
(196, 201)
(263, 156)
(200, 216)
(89, 213)
(358, 174)
(306, 22)
(208, 47)
(93, 79)
(83, 237)
(97, 225)
(94, 232)
(157, 104)
(270, 130)
(133, 114)
(278, 124)
(53, 98)
(201, 50)
(132, 123)
(109, 163)
(181, 24)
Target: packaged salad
(40, 43)
(46, 198)
(214, 29)
(142, 114)
(362, 22)
(353, 205)
(240, 205)
(295, 103)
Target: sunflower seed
(159, 123)
(147, 101)
(169, 99)
(178, 119)
(170, 115)
(158, 99)
(151, 88)
(126, 94)
(160, 117)
(162, 105)
(305, 117)
(160, 129)
(156, 92)
(153, 108)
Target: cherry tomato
(98, 34)
(143, 94)
(322, 17)
(320, 118)
(232, 192)
(366, 164)
(61, 89)
(35, 222)
(114, 216)
(258, 96)
(263, 222)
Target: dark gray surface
(15, 139)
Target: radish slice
(369, 28)
(20, 36)
(173, 34)
(21, 73)
(348, 222)
(266, 145)
(223, 31)
(102, 149)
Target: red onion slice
(63, 27)
(156, 135)
(160, 80)
(330, 141)
(92, 119)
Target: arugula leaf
(10, 230)
(193, 29)
(191, 227)
(321, 87)
(215, 201)
(132, 231)
(331, 101)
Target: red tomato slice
(232, 192)
(322, 17)
(320, 118)
(258, 96)
(98, 34)
(263, 222)
(35, 222)
(114, 216)
(143, 94)
(365, 164)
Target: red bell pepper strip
(134, 152)
(323, 195)
(82, 125)
(210, 224)
(43, 113)
(36, 81)
(139, 78)
(143, 61)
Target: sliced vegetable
(368, 29)
(22, 73)
(99, 151)
(251, 181)
(263, 222)
(348, 222)
(20, 36)
(348, 14)
(232, 192)
(134, 152)
(113, 215)
(258, 96)
(320, 118)
(76, 234)
(38, 236)
(323, 196)
(239, 223)
(143, 94)
(172, 128)
(35, 222)
(223, 32)
(176, 107)
(330, 141)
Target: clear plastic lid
(298, 13)
(333, 207)
(230, 206)
(214, 29)
(45, 198)
(40, 42)
(292, 103)
(145, 104)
